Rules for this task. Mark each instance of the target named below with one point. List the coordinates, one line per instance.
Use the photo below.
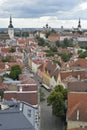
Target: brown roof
(53, 37)
(4, 36)
(79, 86)
(31, 98)
(80, 63)
(10, 64)
(50, 68)
(25, 79)
(78, 129)
(3, 86)
(3, 49)
(77, 101)
(2, 65)
(75, 74)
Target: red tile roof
(3, 86)
(79, 63)
(76, 73)
(78, 129)
(25, 79)
(77, 101)
(78, 86)
(31, 98)
(10, 64)
(2, 65)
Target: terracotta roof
(25, 79)
(3, 86)
(79, 86)
(50, 68)
(78, 129)
(79, 63)
(77, 101)
(31, 98)
(3, 49)
(2, 65)
(10, 64)
(53, 37)
(22, 41)
(76, 73)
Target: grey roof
(9, 80)
(13, 119)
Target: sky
(37, 13)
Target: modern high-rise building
(11, 29)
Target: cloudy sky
(36, 13)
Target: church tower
(11, 29)
(79, 25)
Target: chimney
(0, 107)
(78, 77)
(20, 89)
(78, 114)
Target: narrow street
(48, 120)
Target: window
(29, 113)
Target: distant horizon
(40, 23)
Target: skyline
(37, 13)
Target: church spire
(10, 23)
(79, 23)
(10, 20)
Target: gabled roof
(28, 96)
(78, 129)
(50, 68)
(77, 102)
(78, 86)
(79, 63)
(2, 65)
(76, 73)
(3, 86)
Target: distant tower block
(11, 29)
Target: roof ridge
(73, 109)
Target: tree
(65, 57)
(42, 95)
(47, 34)
(15, 71)
(41, 42)
(12, 50)
(58, 43)
(57, 62)
(67, 43)
(57, 99)
(53, 49)
(1, 94)
(83, 54)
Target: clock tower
(11, 29)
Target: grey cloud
(38, 8)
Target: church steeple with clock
(11, 29)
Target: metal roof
(12, 119)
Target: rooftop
(13, 119)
